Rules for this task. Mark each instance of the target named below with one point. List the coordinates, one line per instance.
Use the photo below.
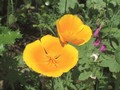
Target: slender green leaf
(65, 5)
(85, 75)
(117, 55)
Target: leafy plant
(8, 37)
(23, 21)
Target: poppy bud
(95, 56)
(47, 3)
(93, 76)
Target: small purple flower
(97, 42)
(103, 48)
(96, 33)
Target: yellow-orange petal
(85, 34)
(68, 58)
(71, 29)
(81, 36)
(33, 55)
(43, 58)
(68, 23)
(52, 45)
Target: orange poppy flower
(71, 29)
(48, 57)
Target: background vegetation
(23, 21)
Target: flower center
(53, 61)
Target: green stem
(12, 85)
(106, 9)
(12, 7)
(8, 8)
(51, 30)
(52, 84)
(65, 6)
